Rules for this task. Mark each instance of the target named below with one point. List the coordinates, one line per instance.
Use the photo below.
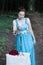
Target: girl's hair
(21, 9)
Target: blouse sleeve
(14, 26)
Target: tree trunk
(3, 5)
(7, 6)
(31, 5)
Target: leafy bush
(3, 40)
(5, 24)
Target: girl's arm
(30, 27)
(14, 28)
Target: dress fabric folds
(25, 42)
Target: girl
(25, 38)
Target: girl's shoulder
(14, 21)
(26, 18)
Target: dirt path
(38, 31)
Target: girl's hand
(15, 33)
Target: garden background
(8, 12)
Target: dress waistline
(23, 32)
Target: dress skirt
(25, 43)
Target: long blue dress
(25, 42)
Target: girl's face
(21, 14)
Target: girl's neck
(22, 21)
(20, 18)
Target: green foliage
(41, 22)
(3, 40)
(5, 24)
(1, 50)
(41, 14)
(7, 30)
(31, 5)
